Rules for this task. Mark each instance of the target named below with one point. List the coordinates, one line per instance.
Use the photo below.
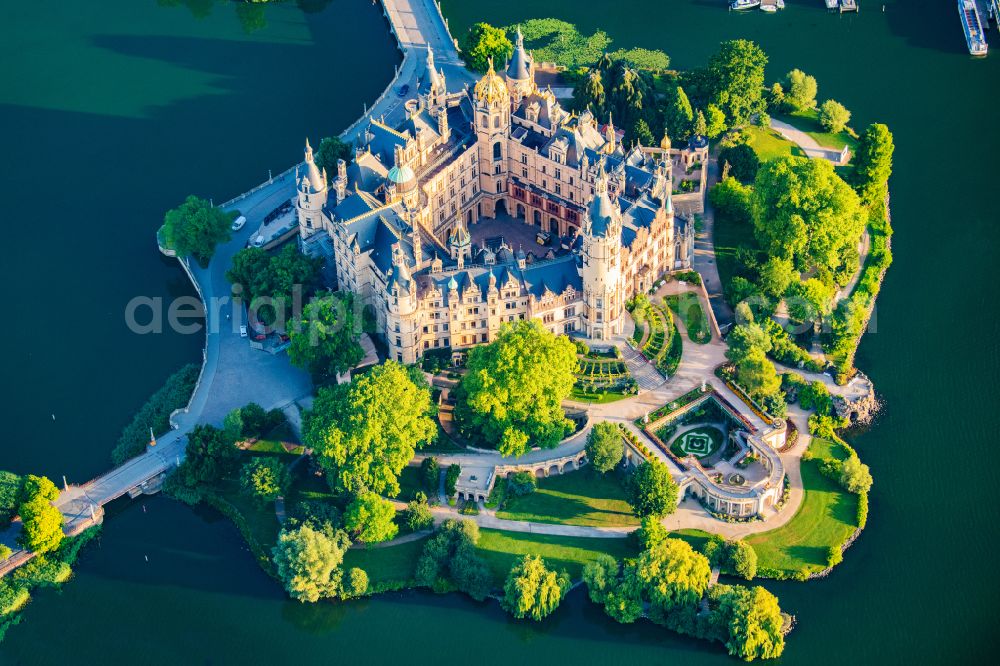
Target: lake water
(111, 112)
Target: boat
(770, 9)
(994, 9)
(973, 27)
(739, 5)
(832, 4)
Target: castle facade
(399, 222)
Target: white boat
(770, 9)
(832, 4)
(973, 27)
(739, 5)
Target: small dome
(491, 89)
(697, 142)
(452, 285)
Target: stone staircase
(643, 372)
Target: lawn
(577, 498)
(827, 517)
(501, 549)
(808, 122)
(595, 397)
(729, 235)
(687, 306)
(386, 565)
(769, 145)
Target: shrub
(155, 414)
(651, 532)
(521, 483)
(862, 510)
(418, 516)
(264, 478)
(855, 476)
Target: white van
(240, 221)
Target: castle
(398, 223)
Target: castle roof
(519, 67)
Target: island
(498, 339)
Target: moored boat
(739, 5)
(972, 25)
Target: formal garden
(703, 442)
(688, 307)
(601, 376)
(656, 334)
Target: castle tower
(492, 121)
(610, 136)
(312, 195)
(437, 87)
(520, 71)
(602, 263)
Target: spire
(610, 135)
(317, 180)
(519, 65)
(602, 212)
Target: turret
(460, 243)
(437, 88)
(312, 195)
(610, 136)
(520, 72)
(340, 182)
(492, 123)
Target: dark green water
(110, 112)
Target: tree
(752, 622)
(451, 478)
(590, 93)
(733, 200)
(331, 149)
(418, 515)
(679, 115)
(736, 76)
(816, 396)
(370, 518)
(532, 590)
(833, 116)
(700, 127)
(742, 160)
(651, 532)
(511, 396)
(308, 562)
(450, 556)
(801, 89)
(855, 475)
(274, 286)
(672, 575)
(324, 340)
(355, 583)
(627, 96)
(365, 432)
(757, 375)
(37, 488)
(743, 559)
(640, 133)
(605, 447)
(615, 590)
(41, 525)
(483, 43)
(810, 300)
(777, 275)
(743, 339)
(804, 211)
(195, 228)
(775, 97)
(873, 164)
(469, 572)
(209, 455)
(430, 475)
(264, 479)
(715, 121)
(651, 490)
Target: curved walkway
(808, 144)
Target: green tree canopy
(449, 557)
(274, 285)
(331, 149)
(673, 576)
(834, 116)
(264, 478)
(805, 212)
(512, 393)
(801, 90)
(855, 475)
(777, 275)
(742, 160)
(743, 339)
(324, 340)
(736, 75)
(590, 93)
(42, 525)
(483, 42)
(651, 490)
(605, 446)
(308, 562)
(369, 518)
(209, 455)
(532, 590)
(195, 228)
(752, 622)
(873, 163)
(757, 375)
(678, 115)
(365, 432)
(715, 121)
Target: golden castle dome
(491, 89)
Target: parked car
(258, 241)
(403, 89)
(243, 331)
(239, 222)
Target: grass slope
(578, 498)
(387, 565)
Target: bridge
(232, 374)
